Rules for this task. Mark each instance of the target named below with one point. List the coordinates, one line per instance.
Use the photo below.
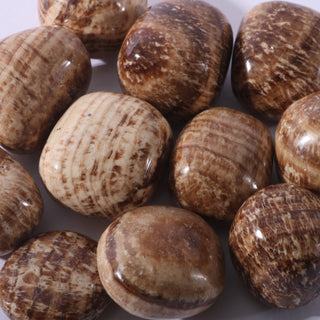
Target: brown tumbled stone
(100, 24)
(20, 203)
(53, 276)
(276, 57)
(274, 243)
(42, 71)
(220, 158)
(297, 143)
(106, 154)
(161, 262)
(176, 57)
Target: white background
(235, 302)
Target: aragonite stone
(274, 243)
(297, 143)
(176, 57)
(53, 276)
(220, 158)
(21, 204)
(100, 24)
(276, 57)
(161, 262)
(106, 154)
(42, 71)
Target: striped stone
(53, 276)
(276, 57)
(105, 154)
(221, 157)
(297, 143)
(274, 244)
(161, 262)
(42, 71)
(20, 204)
(101, 24)
(176, 57)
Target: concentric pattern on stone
(221, 157)
(274, 243)
(176, 56)
(276, 57)
(101, 24)
(297, 143)
(105, 154)
(20, 203)
(161, 262)
(54, 276)
(42, 71)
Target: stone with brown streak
(276, 57)
(42, 71)
(176, 56)
(53, 276)
(20, 204)
(220, 158)
(297, 143)
(274, 243)
(161, 262)
(105, 154)
(101, 24)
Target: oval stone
(100, 24)
(274, 243)
(297, 143)
(161, 262)
(176, 57)
(42, 71)
(106, 154)
(220, 158)
(276, 57)
(53, 276)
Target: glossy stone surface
(176, 57)
(274, 242)
(220, 158)
(101, 24)
(53, 276)
(161, 262)
(42, 71)
(20, 204)
(297, 143)
(105, 154)
(276, 57)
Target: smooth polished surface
(220, 158)
(235, 302)
(161, 262)
(176, 57)
(297, 143)
(105, 154)
(20, 204)
(101, 24)
(53, 276)
(275, 245)
(42, 71)
(276, 57)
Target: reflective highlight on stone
(42, 71)
(53, 276)
(276, 57)
(161, 262)
(274, 244)
(100, 24)
(106, 154)
(20, 204)
(220, 158)
(176, 57)
(297, 143)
